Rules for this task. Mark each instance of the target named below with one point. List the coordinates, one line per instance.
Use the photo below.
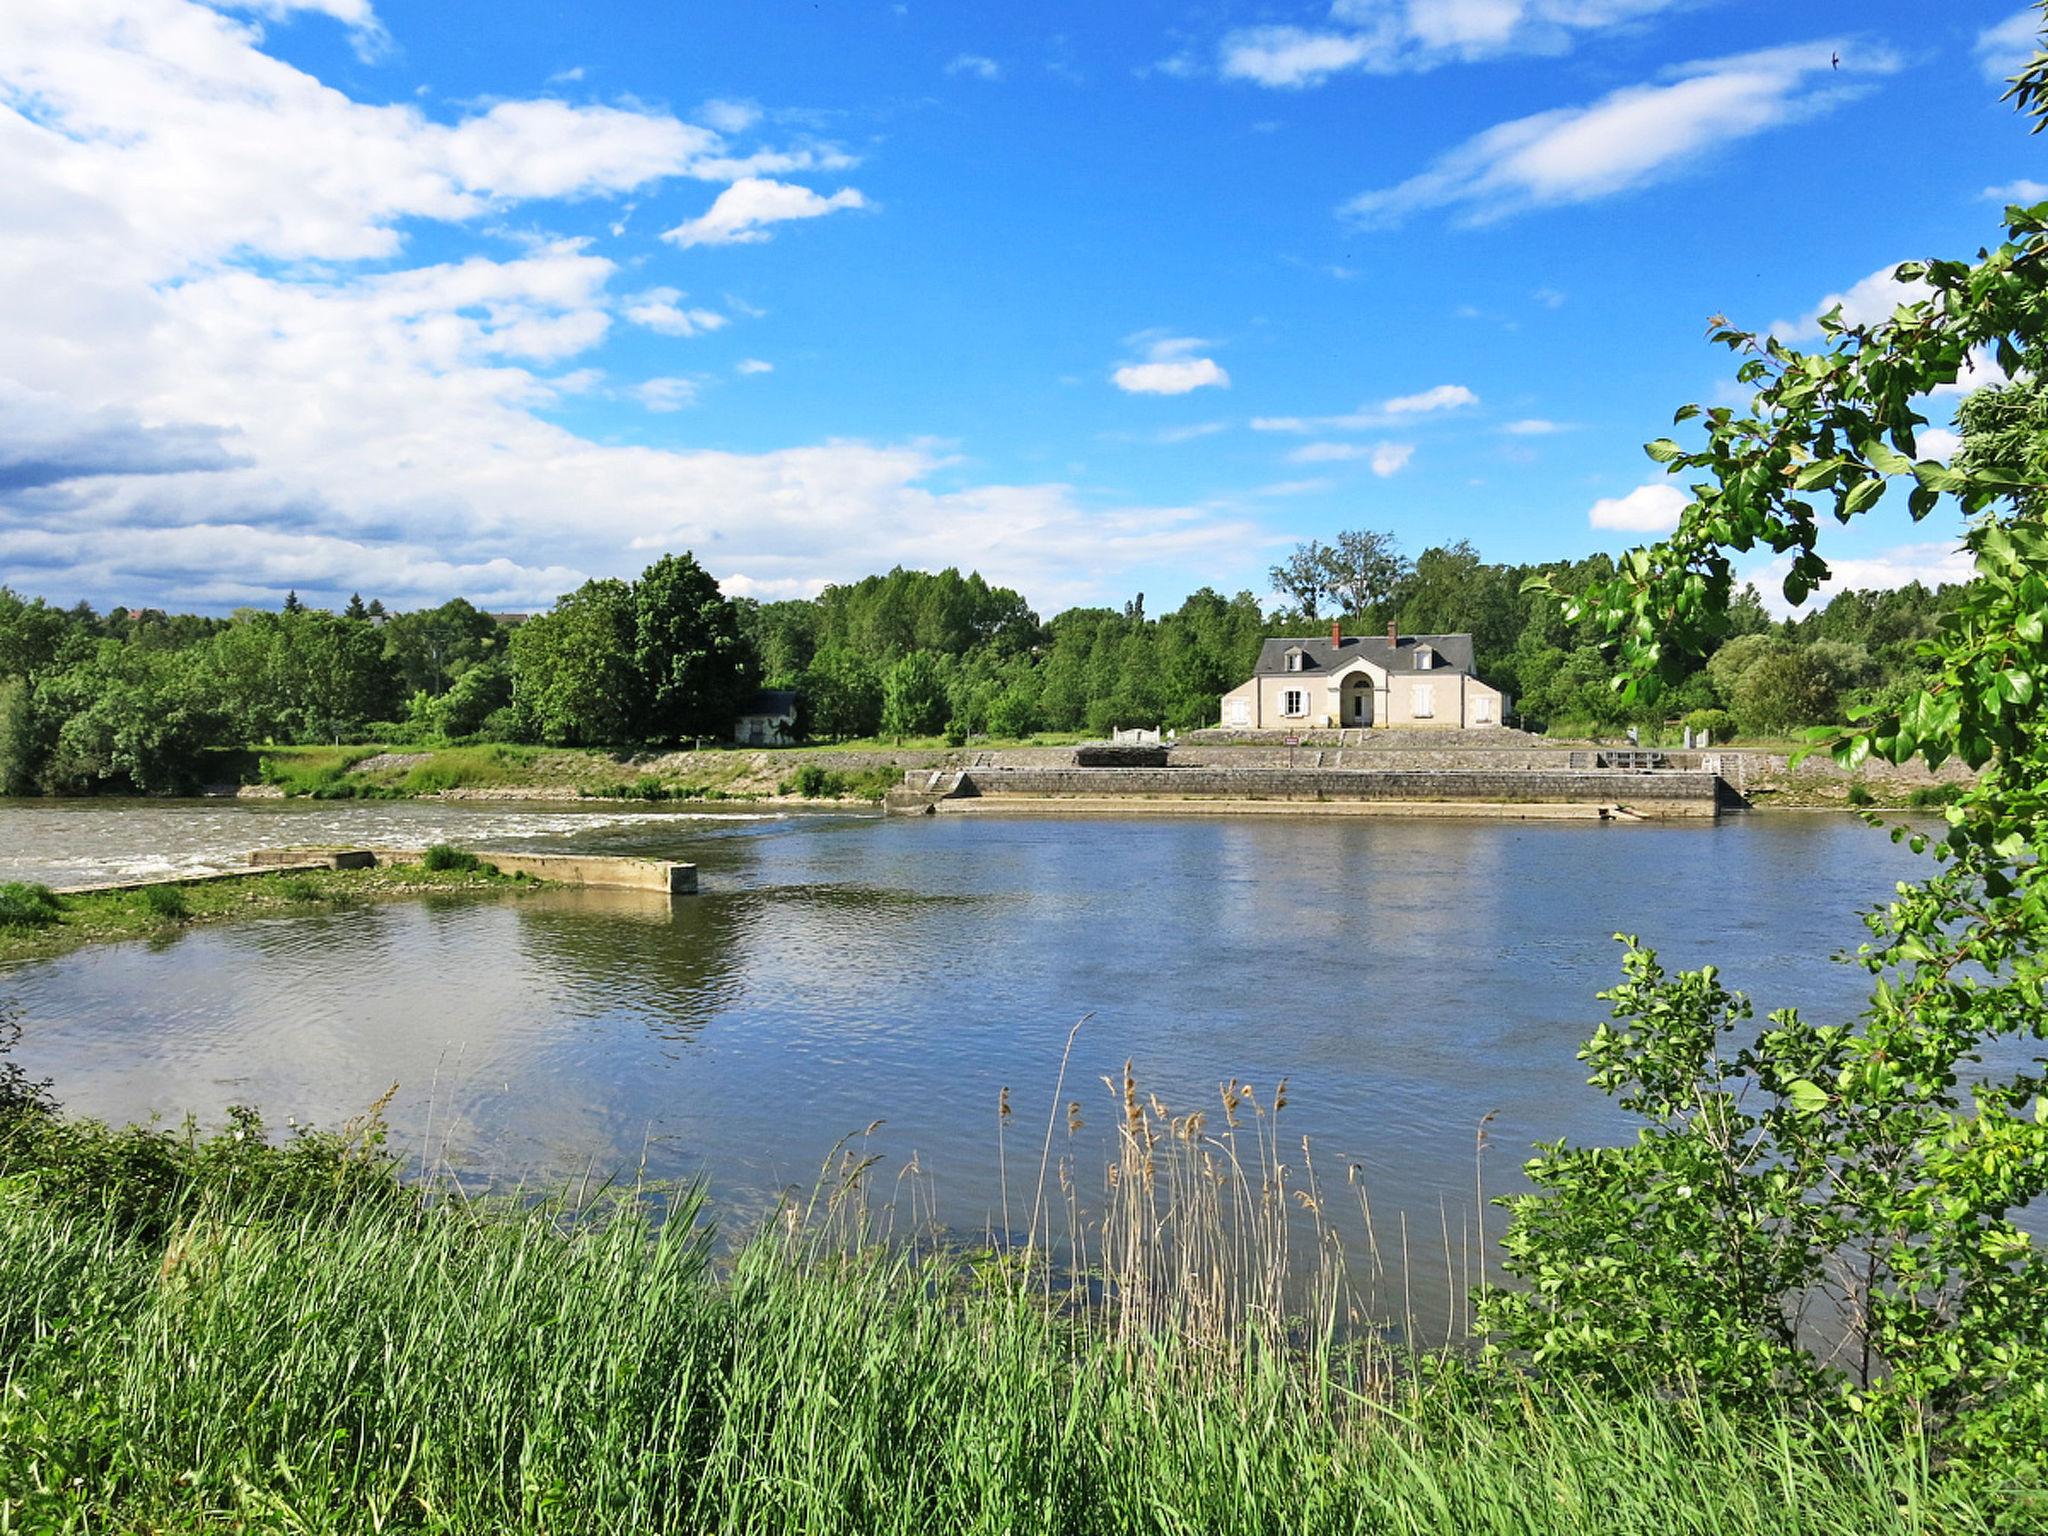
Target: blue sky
(425, 298)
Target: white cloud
(2004, 50)
(1289, 56)
(221, 375)
(1444, 397)
(1937, 442)
(1392, 36)
(1176, 377)
(1170, 367)
(1293, 488)
(1534, 426)
(1327, 453)
(2022, 191)
(1652, 508)
(1173, 436)
(1932, 565)
(730, 116)
(366, 32)
(1630, 137)
(1867, 302)
(1391, 458)
(660, 309)
(743, 211)
(666, 394)
(752, 365)
(978, 65)
(1402, 408)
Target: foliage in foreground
(205, 1332)
(1828, 1210)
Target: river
(1407, 977)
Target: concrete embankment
(1508, 792)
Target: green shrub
(166, 903)
(1859, 793)
(813, 781)
(442, 857)
(1928, 796)
(1717, 723)
(28, 906)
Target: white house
(1355, 682)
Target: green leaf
(1664, 450)
(1862, 495)
(1806, 1097)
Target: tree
(572, 669)
(914, 697)
(1363, 569)
(1876, 1163)
(430, 647)
(844, 692)
(292, 603)
(355, 609)
(693, 665)
(1304, 577)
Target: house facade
(1363, 682)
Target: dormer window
(1425, 658)
(1296, 659)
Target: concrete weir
(1604, 794)
(611, 871)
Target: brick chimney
(1336, 634)
(1393, 633)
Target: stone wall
(1660, 794)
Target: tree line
(134, 698)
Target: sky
(424, 298)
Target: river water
(1408, 977)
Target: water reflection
(1409, 977)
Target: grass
(65, 922)
(333, 773)
(816, 782)
(227, 1334)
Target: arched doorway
(1357, 697)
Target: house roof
(769, 701)
(1453, 653)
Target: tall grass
(236, 1333)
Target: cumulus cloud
(2021, 191)
(742, 213)
(980, 66)
(45, 440)
(225, 376)
(1391, 36)
(752, 365)
(660, 309)
(1866, 302)
(1170, 367)
(1629, 138)
(1652, 508)
(2004, 49)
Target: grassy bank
(219, 1333)
(34, 922)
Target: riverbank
(226, 1333)
(863, 773)
(36, 923)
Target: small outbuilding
(1360, 682)
(768, 719)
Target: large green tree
(573, 674)
(1872, 1167)
(694, 667)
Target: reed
(201, 1333)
